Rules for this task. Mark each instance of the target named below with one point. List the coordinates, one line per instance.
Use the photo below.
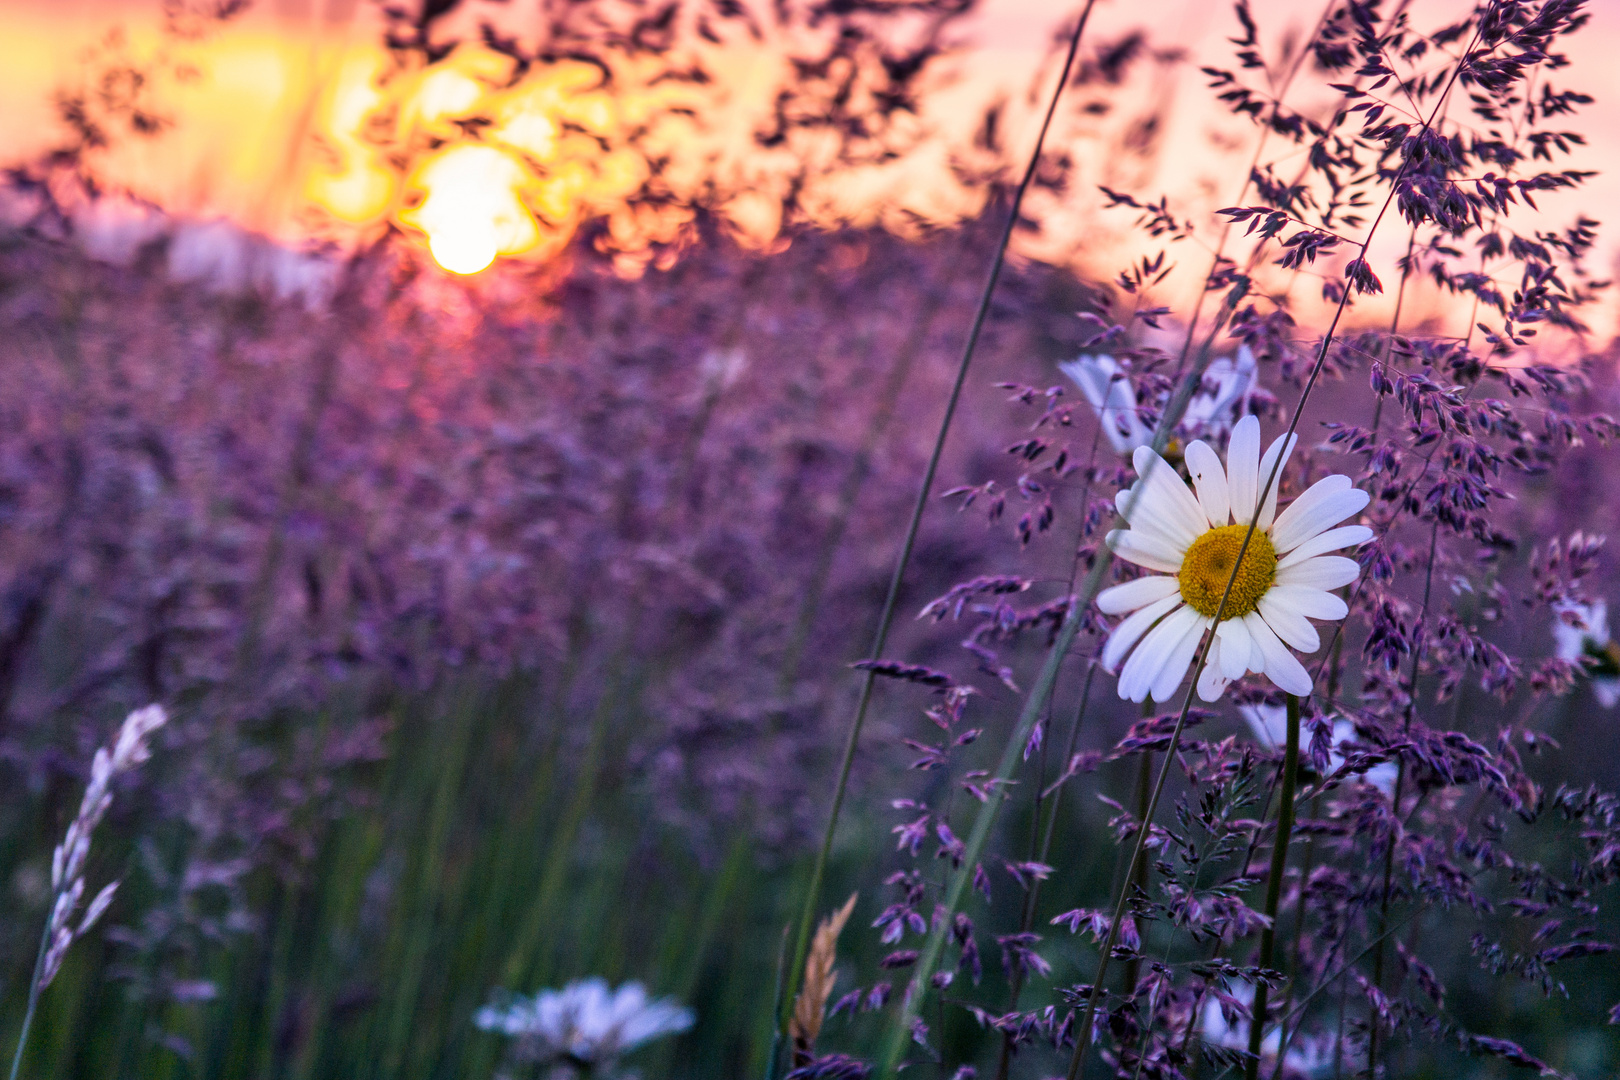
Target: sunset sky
(240, 149)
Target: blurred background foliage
(505, 621)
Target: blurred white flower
(225, 258)
(1305, 1057)
(721, 368)
(1270, 726)
(585, 1022)
(113, 228)
(1224, 396)
(1581, 632)
(1220, 400)
(1112, 397)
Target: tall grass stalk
(540, 915)
(854, 482)
(880, 639)
(33, 1001)
(1249, 175)
(1041, 850)
(417, 940)
(1400, 784)
(849, 492)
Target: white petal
(1139, 433)
(1212, 681)
(1235, 648)
(1175, 668)
(1140, 672)
(1166, 496)
(1209, 480)
(1092, 375)
(1143, 549)
(1128, 631)
(1346, 536)
(1307, 500)
(1282, 667)
(1383, 777)
(1322, 572)
(1139, 506)
(1343, 732)
(1243, 468)
(1135, 594)
(1294, 628)
(1321, 515)
(1268, 464)
(1311, 603)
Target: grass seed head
(811, 1004)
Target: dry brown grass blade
(811, 1004)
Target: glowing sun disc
(464, 250)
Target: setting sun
(471, 210)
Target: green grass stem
(812, 898)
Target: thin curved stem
(1042, 850)
(886, 617)
(33, 990)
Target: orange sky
(240, 150)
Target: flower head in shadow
(585, 1025)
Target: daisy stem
(886, 618)
(1274, 880)
(1297, 963)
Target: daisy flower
(1191, 537)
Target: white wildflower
(1223, 395)
(1225, 391)
(1112, 397)
(585, 1021)
(1304, 1057)
(1192, 536)
(1581, 632)
(1270, 726)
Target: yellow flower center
(1208, 567)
